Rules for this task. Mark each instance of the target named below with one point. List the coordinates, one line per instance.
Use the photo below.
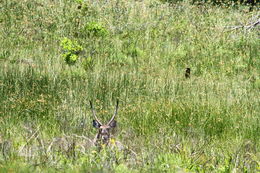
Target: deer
(103, 137)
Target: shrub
(95, 29)
(71, 50)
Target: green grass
(137, 52)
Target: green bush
(95, 29)
(71, 50)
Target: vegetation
(55, 56)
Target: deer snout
(105, 137)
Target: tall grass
(207, 123)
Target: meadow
(55, 56)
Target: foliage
(71, 50)
(88, 63)
(4, 55)
(95, 29)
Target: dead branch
(33, 136)
(248, 26)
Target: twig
(253, 25)
(84, 137)
(49, 148)
(32, 137)
(247, 27)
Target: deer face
(104, 131)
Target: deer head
(104, 130)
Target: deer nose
(105, 137)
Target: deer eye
(112, 124)
(96, 124)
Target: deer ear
(113, 124)
(96, 124)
